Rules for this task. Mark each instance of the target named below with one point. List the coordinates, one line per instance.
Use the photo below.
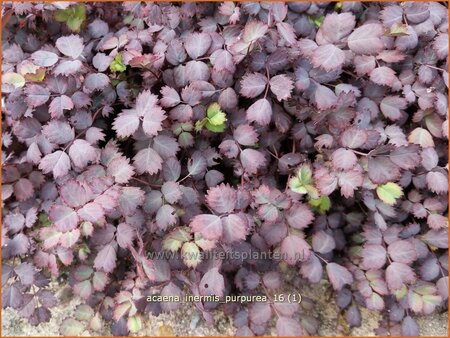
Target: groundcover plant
(156, 150)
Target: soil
(187, 321)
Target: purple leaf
(392, 106)
(338, 275)
(106, 258)
(382, 170)
(234, 228)
(166, 217)
(212, 283)
(374, 256)
(437, 182)
(323, 242)
(288, 327)
(23, 189)
(221, 199)
(295, 249)
(281, 86)
(299, 216)
(197, 44)
(410, 327)
(245, 135)
(402, 251)
(254, 30)
(81, 153)
(36, 95)
(71, 46)
(209, 226)
(92, 212)
(384, 76)
(67, 68)
(120, 169)
(125, 235)
(366, 39)
(324, 97)
(73, 194)
(336, 26)
(287, 32)
(328, 57)
(171, 191)
(170, 97)
(95, 82)
(44, 59)
(64, 218)
(260, 112)
(259, 313)
(58, 132)
(252, 160)
(253, 84)
(397, 274)
(147, 161)
(126, 123)
(343, 159)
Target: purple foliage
(317, 131)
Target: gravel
(187, 321)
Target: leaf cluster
(143, 142)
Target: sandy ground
(187, 321)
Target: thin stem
(184, 178)
(360, 153)
(273, 155)
(268, 79)
(351, 74)
(389, 259)
(146, 183)
(272, 305)
(323, 259)
(287, 185)
(433, 67)
(275, 151)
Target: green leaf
(71, 327)
(214, 121)
(117, 65)
(317, 21)
(398, 29)
(72, 16)
(200, 124)
(84, 312)
(171, 244)
(134, 324)
(415, 302)
(176, 238)
(321, 204)
(432, 299)
(215, 116)
(302, 183)
(96, 322)
(39, 76)
(13, 79)
(401, 293)
(191, 254)
(62, 15)
(389, 192)
(312, 191)
(43, 219)
(215, 128)
(296, 186)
